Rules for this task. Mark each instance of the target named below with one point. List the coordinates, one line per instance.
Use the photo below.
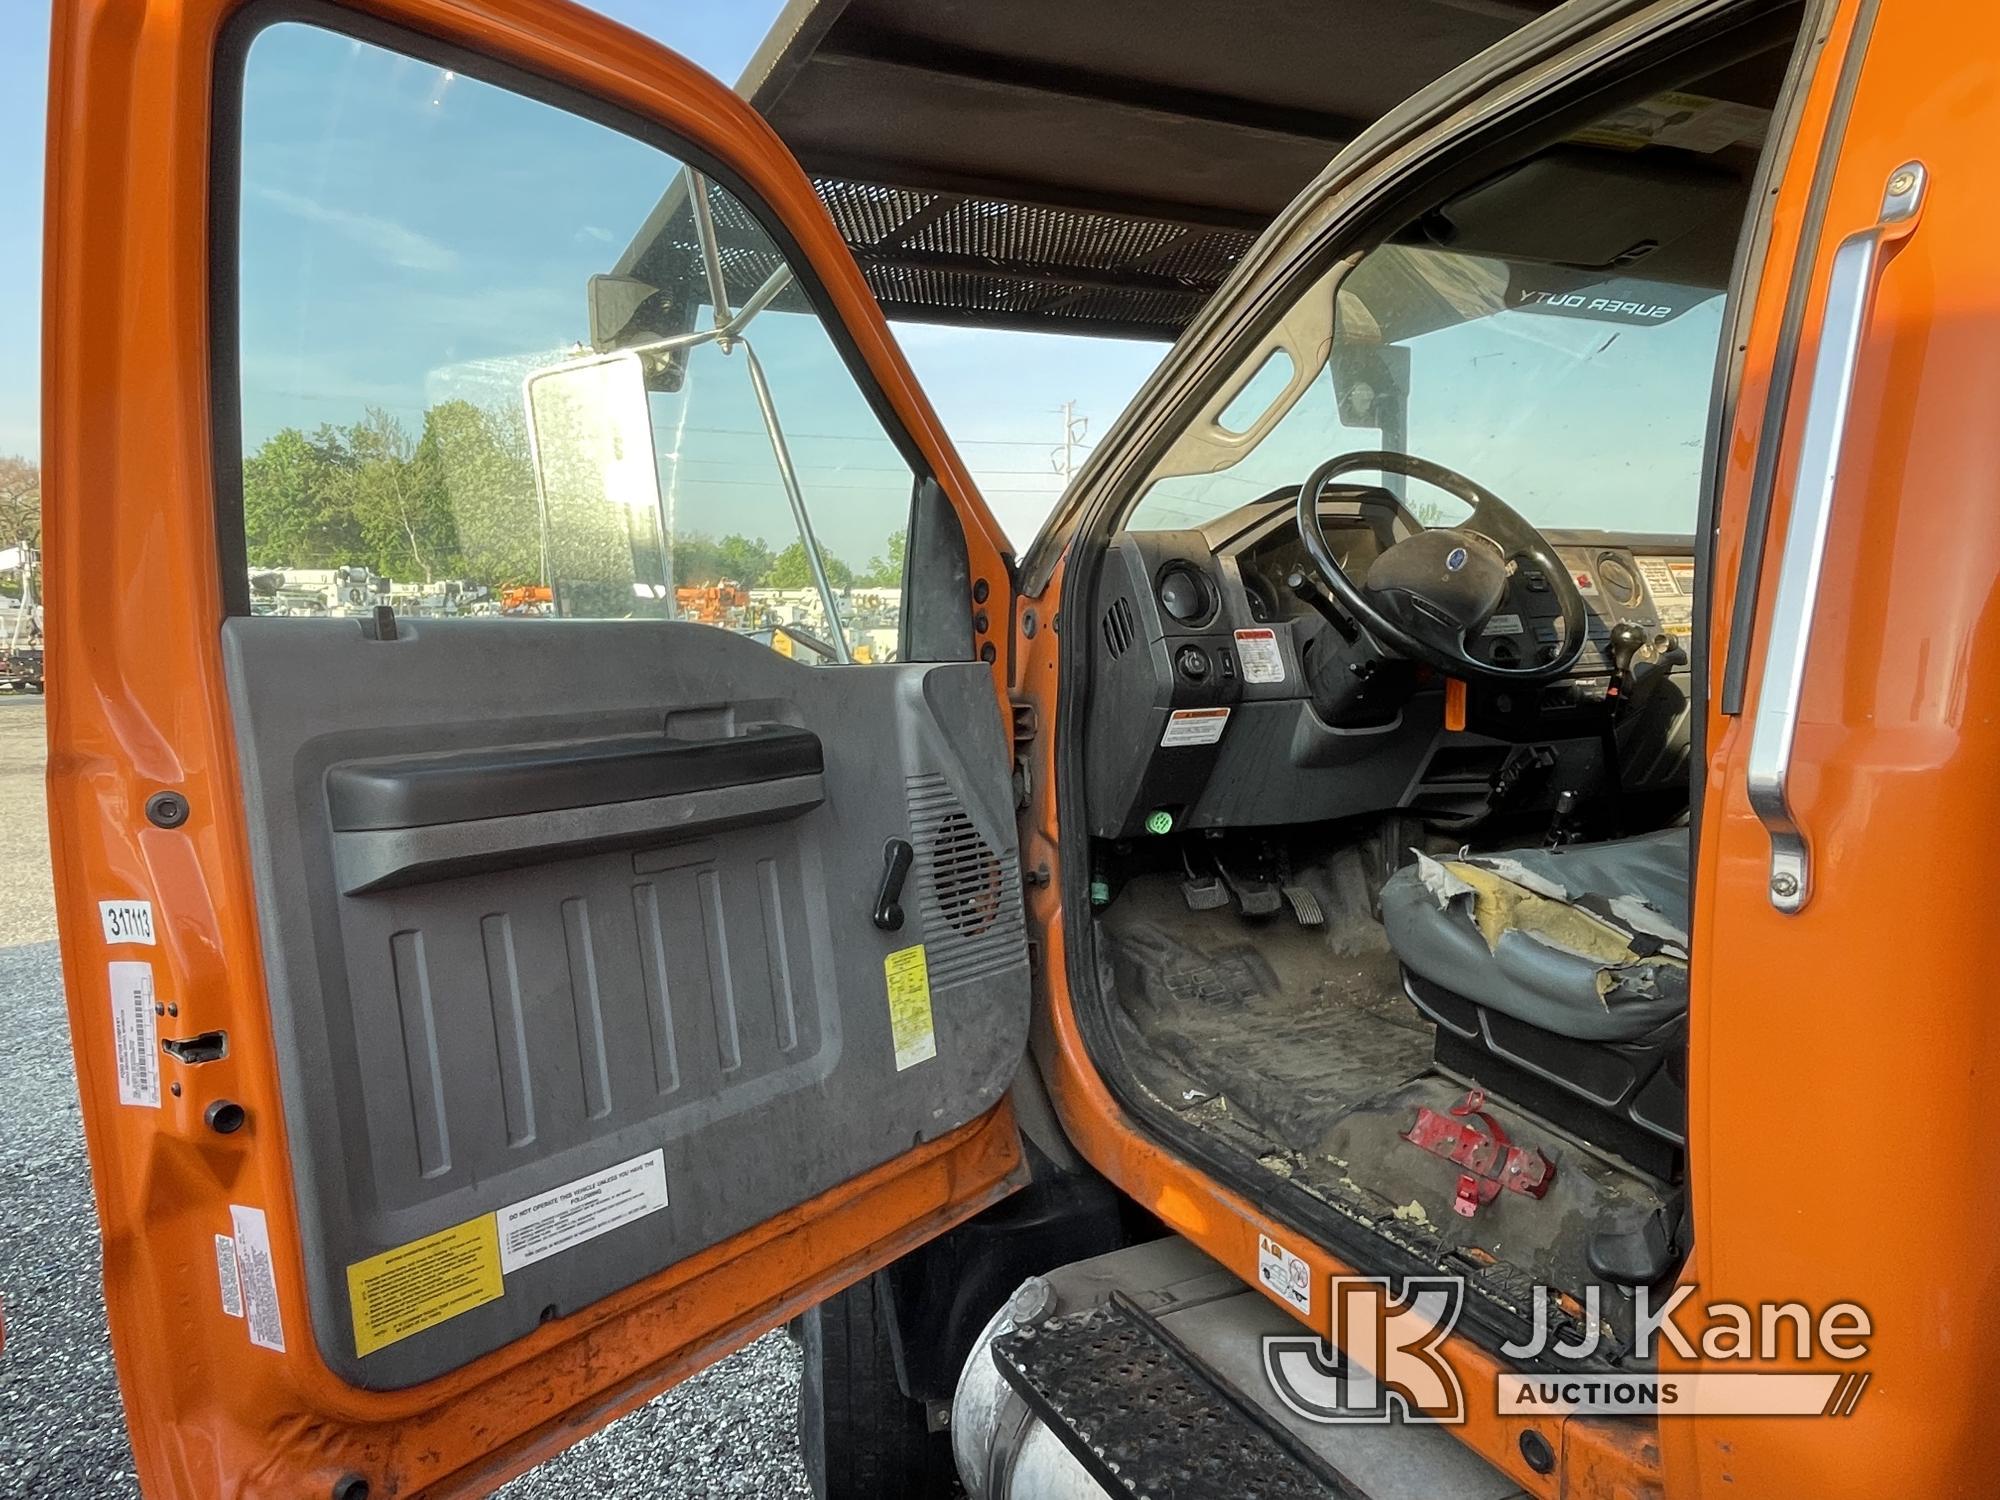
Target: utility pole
(1063, 457)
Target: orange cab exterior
(1839, 1057)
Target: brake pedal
(1254, 898)
(1305, 905)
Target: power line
(1063, 456)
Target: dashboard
(1200, 704)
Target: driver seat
(1559, 977)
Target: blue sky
(997, 393)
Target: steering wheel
(1430, 596)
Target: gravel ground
(727, 1431)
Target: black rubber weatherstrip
(1784, 369)
(420, 791)
(1753, 254)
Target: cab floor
(1293, 1025)
(1298, 1047)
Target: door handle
(1850, 296)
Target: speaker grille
(968, 893)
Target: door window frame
(232, 53)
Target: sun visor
(1618, 210)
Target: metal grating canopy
(947, 257)
(1095, 168)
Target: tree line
(20, 512)
(457, 500)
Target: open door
(535, 846)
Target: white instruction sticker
(225, 1272)
(1693, 122)
(127, 921)
(1195, 726)
(1259, 653)
(1284, 1274)
(257, 1277)
(1585, 583)
(1659, 578)
(538, 1227)
(135, 1033)
(1503, 625)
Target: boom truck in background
(21, 653)
(1331, 973)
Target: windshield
(1580, 399)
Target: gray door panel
(539, 899)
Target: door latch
(896, 857)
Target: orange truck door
(1842, 1003)
(483, 1022)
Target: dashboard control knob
(1193, 663)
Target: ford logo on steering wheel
(1454, 559)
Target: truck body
(1358, 961)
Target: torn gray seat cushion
(1625, 981)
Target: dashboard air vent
(1119, 629)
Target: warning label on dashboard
(1195, 726)
(1262, 660)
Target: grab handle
(1850, 296)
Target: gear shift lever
(1626, 642)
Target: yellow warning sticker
(421, 1284)
(910, 1006)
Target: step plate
(1143, 1418)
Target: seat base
(1628, 1097)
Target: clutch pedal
(1202, 892)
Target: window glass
(1582, 403)
(481, 372)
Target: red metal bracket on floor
(1491, 1161)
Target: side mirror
(626, 312)
(607, 547)
(1371, 384)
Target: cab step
(1141, 1373)
(1144, 1417)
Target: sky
(410, 236)
(999, 394)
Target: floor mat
(1270, 1015)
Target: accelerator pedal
(1305, 905)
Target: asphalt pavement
(727, 1431)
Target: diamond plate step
(1145, 1420)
